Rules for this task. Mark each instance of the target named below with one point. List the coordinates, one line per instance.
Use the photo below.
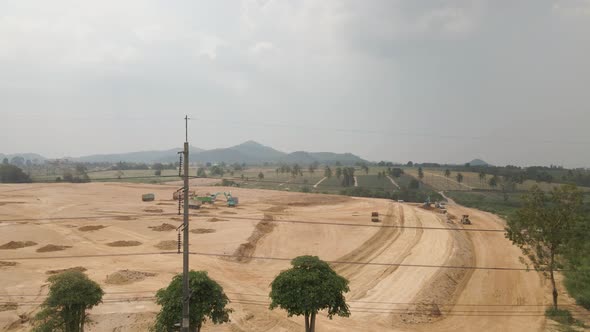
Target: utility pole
(185, 278)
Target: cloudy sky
(445, 81)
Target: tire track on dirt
(372, 247)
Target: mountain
(298, 157)
(249, 152)
(478, 162)
(138, 157)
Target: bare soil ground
(406, 285)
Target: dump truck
(465, 220)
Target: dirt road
(397, 272)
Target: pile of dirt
(124, 244)
(277, 208)
(163, 228)
(167, 245)
(6, 264)
(166, 204)
(202, 230)
(123, 277)
(215, 219)
(204, 211)
(91, 228)
(6, 203)
(125, 218)
(153, 210)
(246, 250)
(228, 212)
(18, 244)
(176, 218)
(77, 268)
(8, 306)
(52, 247)
(422, 313)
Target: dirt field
(403, 289)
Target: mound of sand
(76, 268)
(246, 250)
(163, 228)
(202, 230)
(6, 264)
(123, 218)
(166, 204)
(8, 306)
(228, 212)
(153, 210)
(52, 247)
(18, 244)
(123, 277)
(215, 219)
(167, 245)
(176, 218)
(124, 244)
(91, 228)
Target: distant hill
(137, 157)
(249, 152)
(478, 162)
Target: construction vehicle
(194, 203)
(465, 220)
(231, 201)
(375, 216)
(148, 197)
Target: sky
(442, 81)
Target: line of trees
(310, 286)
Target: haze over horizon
(386, 80)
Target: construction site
(411, 267)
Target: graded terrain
(409, 272)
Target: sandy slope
(382, 297)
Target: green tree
(207, 301)
(447, 175)
(201, 172)
(365, 168)
(459, 177)
(260, 176)
(493, 181)
(5, 161)
(482, 177)
(338, 172)
(311, 169)
(158, 172)
(328, 172)
(71, 293)
(308, 287)
(12, 174)
(544, 225)
(420, 174)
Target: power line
(458, 267)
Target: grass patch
(489, 201)
(565, 318)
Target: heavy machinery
(231, 201)
(148, 197)
(465, 220)
(375, 216)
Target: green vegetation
(71, 293)
(12, 174)
(308, 287)
(208, 301)
(490, 201)
(543, 227)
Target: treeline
(12, 174)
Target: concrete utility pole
(185, 285)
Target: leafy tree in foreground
(308, 287)
(207, 301)
(71, 293)
(544, 225)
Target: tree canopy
(544, 226)
(208, 301)
(71, 293)
(308, 287)
(12, 174)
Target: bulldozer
(465, 220)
